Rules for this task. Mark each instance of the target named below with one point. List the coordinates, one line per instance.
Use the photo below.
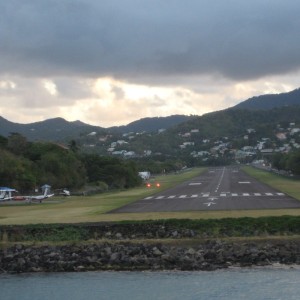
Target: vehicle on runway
(149, 185)
(63, 192)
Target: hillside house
(281, 136)
(92, 133)
(129, 154)
(195, 131)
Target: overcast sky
(109, 62)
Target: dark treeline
(27, 165)
(287, 161)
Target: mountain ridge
(58, 129)
(270, 101)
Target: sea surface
(258, 283)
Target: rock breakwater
(121, 255)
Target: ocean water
(259, 283)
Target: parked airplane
(6, 193)
(45, 195)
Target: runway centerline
(224, 188)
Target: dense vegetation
(287, 161)
(221, 228)
(26, 165)
(233, 123)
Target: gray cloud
(142, 40)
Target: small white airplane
(6, 193)
(45, 195)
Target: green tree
(116, 173)
(56, 165)
(3, 142)
(17, 143)
(293, 162)
(16, 172)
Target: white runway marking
(195, 183)
(244, 182)
(209, 203)
(212, 197)
(220, 180)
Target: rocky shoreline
(135, 256)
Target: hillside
(58, 129)
(235, 122)
(228, 126)
(271, 101)
(261, 113)
(153, 124)
(218, 138)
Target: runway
(224, 188)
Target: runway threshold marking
(212, 197)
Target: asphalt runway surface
(223, 188)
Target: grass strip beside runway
(79, 209)
(287, 185)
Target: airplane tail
(46, 192)
(46, 189)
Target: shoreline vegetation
(180, 241)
